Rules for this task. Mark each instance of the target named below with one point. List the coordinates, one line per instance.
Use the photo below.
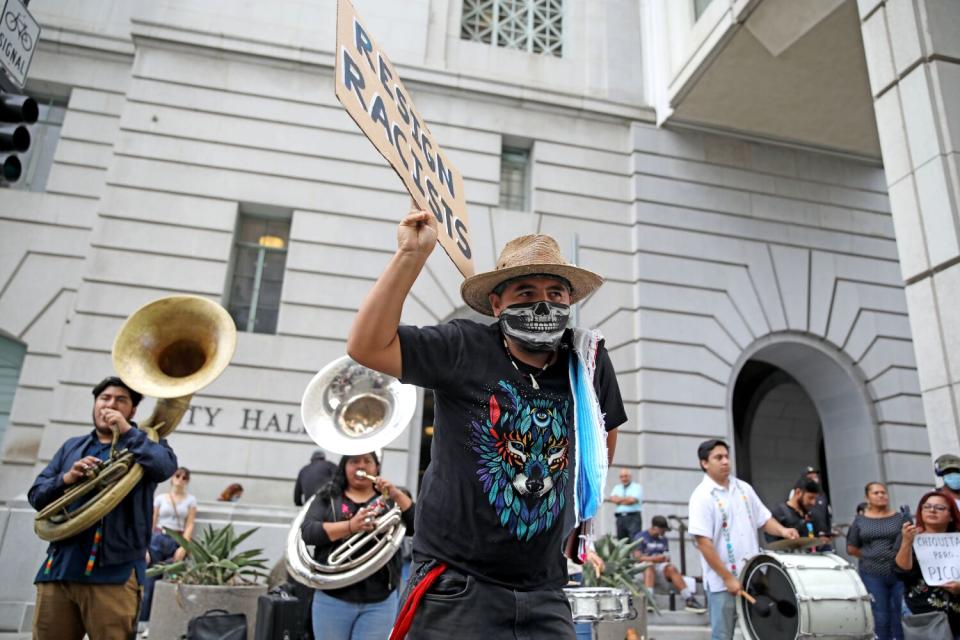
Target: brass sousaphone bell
(169, 349)
(349, 409)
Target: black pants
(462, 607)
(629, 524)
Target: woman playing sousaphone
(346, 507)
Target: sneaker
(693, 605)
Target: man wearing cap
(947, 467)
(91, 583)
(655, 549)
(797, 511)
(319, 472)
(821, 513)
(525, 413)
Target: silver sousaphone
(349, 409)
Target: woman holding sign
(935, 514)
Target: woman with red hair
(936, 513)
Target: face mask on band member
(952, 480)
(535, 326)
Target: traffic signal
(16, 111)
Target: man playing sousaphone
(91, 582)
(512, 469)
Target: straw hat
(524, 256)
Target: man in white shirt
(628, 496)
(725, 514)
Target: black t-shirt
(785, 515)
(376, 587)
(821, 516)
(497, 497)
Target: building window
(11, 362)
(260, 257)
(529, 25)
(515, 179)
(699, 6)
(44, 136)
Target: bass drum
(803, 595)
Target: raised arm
(904, 557)
(373, 338)
(157, 458)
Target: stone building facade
(755, 284)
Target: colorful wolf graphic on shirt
(522, 449)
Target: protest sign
(369, 88)
(939, 557)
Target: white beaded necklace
(533, 376)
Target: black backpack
(217, 624)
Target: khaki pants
(67, 610)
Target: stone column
(913, 57)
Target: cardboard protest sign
(939, 557)
(371, 91)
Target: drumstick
(763, 610)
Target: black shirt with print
(497, 497)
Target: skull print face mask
(535, 326)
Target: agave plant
(212, 559)
(621, 570)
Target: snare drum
(590, 604)
(807, 595)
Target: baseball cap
(808, 470)
(661, 522)
(946, 462)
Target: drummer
(725, 514)
(797, 512)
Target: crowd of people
(523, 437)
(725, 515)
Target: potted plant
(214, 575)
(622, 570)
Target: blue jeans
(887, 593)
(162, 548)
(722, 606)
(335, 619)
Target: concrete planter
(170, 614)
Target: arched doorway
(796, 401)
(778, 432)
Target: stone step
(658, 632)
(677, 619)
(663, 601)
